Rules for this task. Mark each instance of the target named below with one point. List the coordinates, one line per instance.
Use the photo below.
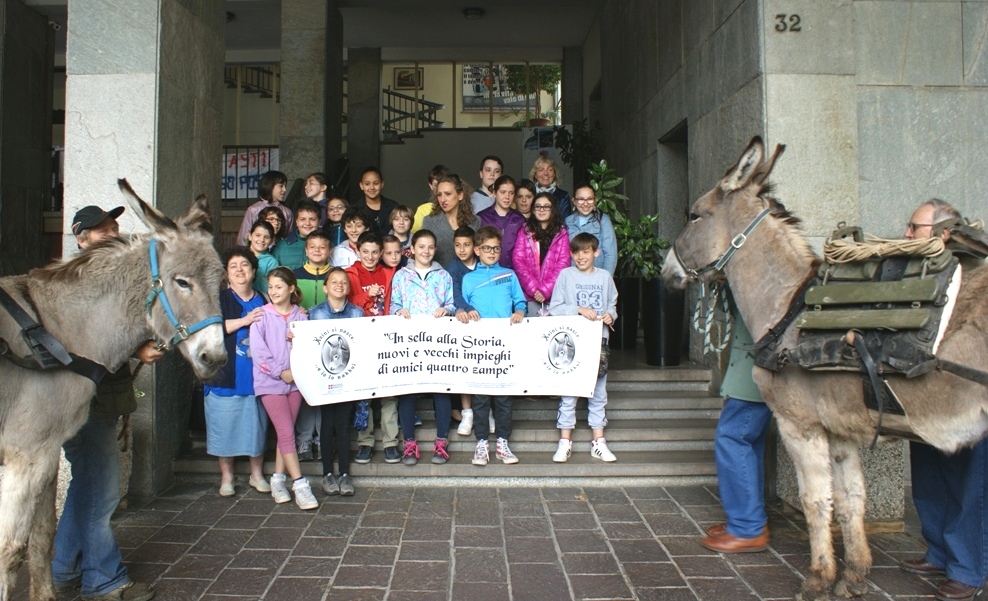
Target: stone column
(311, 86)
(363, 113)
(144, 101)
(572, 85)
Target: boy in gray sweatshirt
(588, 291)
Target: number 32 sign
(788, 23)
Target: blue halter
(158, 291)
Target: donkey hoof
(847, 589)
(805, 595)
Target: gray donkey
(821, 416)
(98, 306)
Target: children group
(509, 249)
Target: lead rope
(707, 303)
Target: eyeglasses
(912, 227)
(491, 249)
(336, 208)
(584, 199)
(543, 207)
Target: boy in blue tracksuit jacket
(493, 291)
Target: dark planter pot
(662, 322)
(539, 122)
(625, 334)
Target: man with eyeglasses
(949, 491)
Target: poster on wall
(538, 140)
(243, 167)
(339, 360)
(481, 82)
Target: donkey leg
(811, 457)
(23, 481)
(849, 509)
(39, 547)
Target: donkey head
(191, 273)
(719, 216)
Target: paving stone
(376, 536)
(517, 494)
(564, 494)
(180, 588)
(606, 496)
(531, 550)
(362, 576)
(396, 493)
(772, 581)
(388, 506)
(383, 520)
(530, 509)
(229, 598)
(421, 576)
(158, 553)
(377, 555)
(686, 545)
(597, 586)
(252, 507)
(431, 510)
(693, 495)
(538, 582)
(481, 515)
(559, 507)
(337, 506)
(423, 551)
(297, 589)
(131, 537)
(639, 550)
(144, 572)
(199, 517)
(417, 595)
(573, 521)
(653, 574)
(289, 520)
(478, 536)
(481, 592)
(240, 522)
(337, 526)
(721, 588)
(320, 546)
(255, 558)
(168, 504)
(310, 567)
(435, 495)
(896, 582)
(480, 565)
(707, 567)
(743, 560)
(646, 492)
(666, 524)
(241, 581)
(178, 534)
(625, 530)
(198, 566)
(274, 538)
(576, 541)
(476, 493)
(526, 527)
(706, 513)
(617, 513)
(435, 529)
(664, 594)
(589, 563)
(351, 594)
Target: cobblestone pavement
(471, 544)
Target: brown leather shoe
(951, 590)
(716, 529)
(921, 566)
(727, 543)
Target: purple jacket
(532, 276)
(509, 226)
(271, 350)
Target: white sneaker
(303, 495)
(493, 425)
(481, 455)
(504, 452)
(278, 489)
(564, 451)
(466, 422)
(599, 450)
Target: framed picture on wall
(408, 78)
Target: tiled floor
(471, 544)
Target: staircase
(661, 425)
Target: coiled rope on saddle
(707, 303)
(872, 247)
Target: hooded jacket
(493, 291)
(271, 350)
(422, 295)
(599, 225)
(535, 277)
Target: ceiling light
(473, 13)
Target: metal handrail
(406, 115)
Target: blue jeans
(84, 544)
(950, 492)
(406, 415)
(739, 451)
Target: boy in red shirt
(370, 282)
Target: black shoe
(305, 456)
(364, 454)
(391, 455)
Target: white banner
(337, 360)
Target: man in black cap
(86, 553)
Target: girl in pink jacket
(541, 252)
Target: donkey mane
(76, 267)
(790, 225)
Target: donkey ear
(153, 218)
(198, 217)
(765, 169)
(740, 175)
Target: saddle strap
(872, 370)
(35, 334)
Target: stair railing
(406, 115)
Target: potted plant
(637, 275)
(580, 149)
(530, 79)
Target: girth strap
(872, 371)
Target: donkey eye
(694, 217)
(184, 284)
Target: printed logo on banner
(560, 354)
(334, 357)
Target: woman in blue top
(586, 218)
(236, 424)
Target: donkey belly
(41, 410)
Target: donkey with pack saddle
(927, 382)
(62, 327)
